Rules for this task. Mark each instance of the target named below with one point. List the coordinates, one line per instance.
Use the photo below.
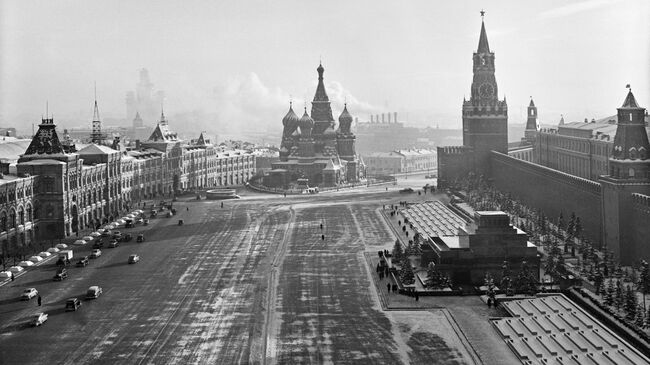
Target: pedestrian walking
(322, 237)
(188, 209)
(12, 276)
(222, 204)
(321, 226)
(489, 302)
(39, 300)
(417, 296)
(394, 288)
(388, 287)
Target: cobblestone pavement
(253, 282)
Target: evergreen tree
(398, 252)
(639, 319)
(560, 222)
(644, 279)
(578, 228)
(570, 229)
(630, 303)
(435, 279)
(618, 299)
(406, 273)
(609, 293)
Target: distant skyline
(242, 61)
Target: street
(252, 282)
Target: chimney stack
(382, 118)
(395, 117)
(372, 118)
(388, 117)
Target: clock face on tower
(486, 90)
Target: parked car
(129, 223)
(35, 259)
(140, 238)
(180, 222)
(106, 233)
(29, 293)
(44, 254)
(25, 263)
(406, 190)
(16, 269)
(72, 304)
(98, 244)
(61, 273)
(145, 222)
(94, 292)
(170, 214)
(95, 253)
(117, 235)
(113, 244)
(138, 220)
(83, 261)
(39, 319)
(127, 237)
(133, 259)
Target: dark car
(140, 238)
(127, 237)
(83, 261)
(113, 244)
(406, 190)
(61, 274)
(72, 304)
(98, 244)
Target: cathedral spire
(321, 110)
(483, 46)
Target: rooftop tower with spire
(96, 136)
(485, 117)
(531, 122)
(629, 175)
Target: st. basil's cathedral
(313, 151)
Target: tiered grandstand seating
(433, 219)
(553, 330)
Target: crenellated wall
(551, 191)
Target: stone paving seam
(461, 336)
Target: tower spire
(483, 46)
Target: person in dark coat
(12, 277)
(322, 237)
(417, 296)
(388, 287)
(39, 300)
(394, 288)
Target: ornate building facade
(313, 149)
(55, 190)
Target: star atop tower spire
(483, 46)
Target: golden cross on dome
(482, 13)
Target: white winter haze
(239, 62)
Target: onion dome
(345, 120)
(306, 124)
(291, 119)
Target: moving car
(140, 238)
(145, 222)
(94, 292)
(113, 244)
(83, 261)
(133, 259)
(61, 273)
(127, 237)
(29, 293)
(39, 319)
(95, 253)
(72, 304)
(406, 190)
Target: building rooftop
(11, 149)
(433, 219)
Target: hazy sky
(242, 59)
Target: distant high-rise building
(145, 101)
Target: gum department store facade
(54, 189)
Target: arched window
(21, 215)
(643, 154)
(631, 172)
(3, 221)
(633, 153)
(29, 213)
(12, 218)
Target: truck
(65, 254)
